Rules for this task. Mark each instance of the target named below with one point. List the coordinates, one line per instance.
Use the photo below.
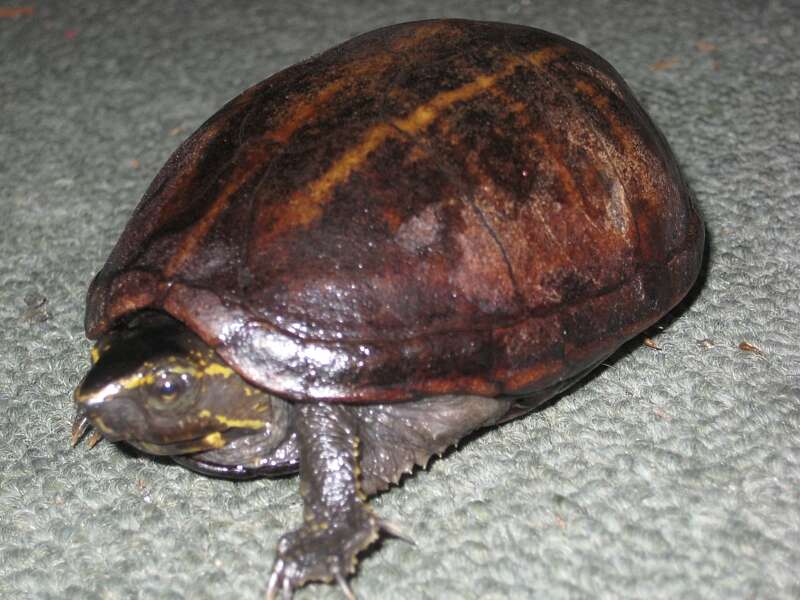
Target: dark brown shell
(434, 207)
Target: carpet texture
(671, 473)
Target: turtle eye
(169, 386)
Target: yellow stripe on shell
(305, 206)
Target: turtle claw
(276, 586)
(272, 587)
(395, 530)
(94, 439)
(79, 426)
(344, 586)
(287, 592)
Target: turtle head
(157, 386)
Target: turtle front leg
(337, 521)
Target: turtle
(430, 229)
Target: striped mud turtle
(431, 228)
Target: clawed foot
(322, 551)
(313, 553)
(281, 582)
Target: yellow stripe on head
(136, 380)
(217, 369)
(242, 423)
(214, 440)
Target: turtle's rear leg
(397, 437)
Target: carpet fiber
(671, 473)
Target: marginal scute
(430, 208)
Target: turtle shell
(434, 207)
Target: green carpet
(672, 473)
